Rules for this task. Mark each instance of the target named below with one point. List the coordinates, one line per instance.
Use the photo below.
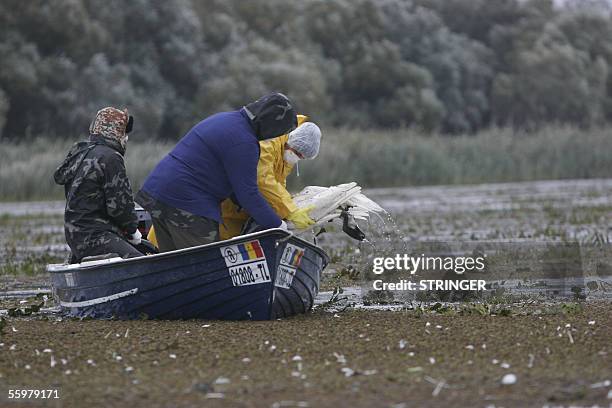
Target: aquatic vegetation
(32, 265)
(378, 158)
(571, 308)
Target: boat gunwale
(285, 236)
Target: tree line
(449, 66)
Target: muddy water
(545, 211)
(32, 208)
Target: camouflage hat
(110, 123)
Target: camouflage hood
(111, 123)
(68, 169)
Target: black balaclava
(272, 115)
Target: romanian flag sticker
(292, 256)
(250, 251)
(242, 253)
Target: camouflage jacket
(98, 193)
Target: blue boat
(260, 276)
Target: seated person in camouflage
(100, 216)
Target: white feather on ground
(329, 201)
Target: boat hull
(261, 276)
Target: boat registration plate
(250, 273)
(290, 261)
(284, 276)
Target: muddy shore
(352, 358)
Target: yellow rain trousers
(272, 172)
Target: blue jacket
(216, 158)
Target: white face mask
(290, 157)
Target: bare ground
(352, 358)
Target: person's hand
(135, 238)
(301, 219)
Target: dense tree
(460, 66)
(557, 72)
(451, 65)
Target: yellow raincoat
(272, 172)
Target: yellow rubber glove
(300, 218)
